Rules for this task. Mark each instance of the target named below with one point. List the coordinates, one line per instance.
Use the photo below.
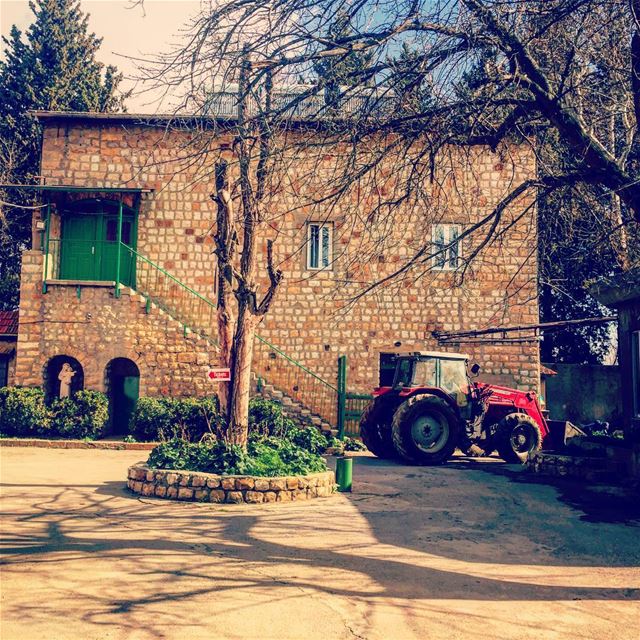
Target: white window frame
(450, 261)
(324, 262)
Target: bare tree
(514, 40)
(237, 271)
(432, 79)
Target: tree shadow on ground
(184, 551)
(599, 502)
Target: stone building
(622, 293)
(118, 208)
(8, 340)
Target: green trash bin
(344, 472)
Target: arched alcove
(51, 373)
(122, 382)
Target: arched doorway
(123, 387)
(51, 376)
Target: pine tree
(339, 71)
(54, 67)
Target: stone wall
(208, 487)
(97, 327)
(615, 465)
(309, 320)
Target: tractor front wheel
(518, 436)
(425, 430)
(375, 427)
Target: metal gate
(350, 405)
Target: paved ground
(466, 551)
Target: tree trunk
(240, 385)
(225, 338)
(225, 242)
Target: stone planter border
(582, 467)
(209, 487)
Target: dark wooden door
(125, 391)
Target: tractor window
(453, 376)
(403, 373)
(424, 373)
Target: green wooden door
(109, 249)
(125, 391)
(89, 248)
(79, 251)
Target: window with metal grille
(446, 246)
(319, 245)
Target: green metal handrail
(317, 394)
(288, 375)
(168, 275)
(296, 363)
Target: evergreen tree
(344, 70)
(52, 68)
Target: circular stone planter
(209, 487)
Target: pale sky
(125, 30)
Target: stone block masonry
(97, 327)
(306, 321)
(208, 487)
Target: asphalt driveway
(466, 551)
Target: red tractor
(434, 407)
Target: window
(319, 245)
(446, 242)
(387, 368)
(112, 231)
(4, 371)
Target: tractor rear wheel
(517, 437)
(425, 430)
(375, 427)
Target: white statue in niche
(65, 375)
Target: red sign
(220, 375)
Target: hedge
(24, 414)
(159, 419)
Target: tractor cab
(434, 369)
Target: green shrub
(209, 457)
(336, 444)
(351, 444)
(150, 417)
(23, 412)
(265, 456)
(168, 418)
(84, 415)
(267, 418)
(308, 438)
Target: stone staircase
(296, 409)
(292, 408)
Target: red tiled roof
(9, 323)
